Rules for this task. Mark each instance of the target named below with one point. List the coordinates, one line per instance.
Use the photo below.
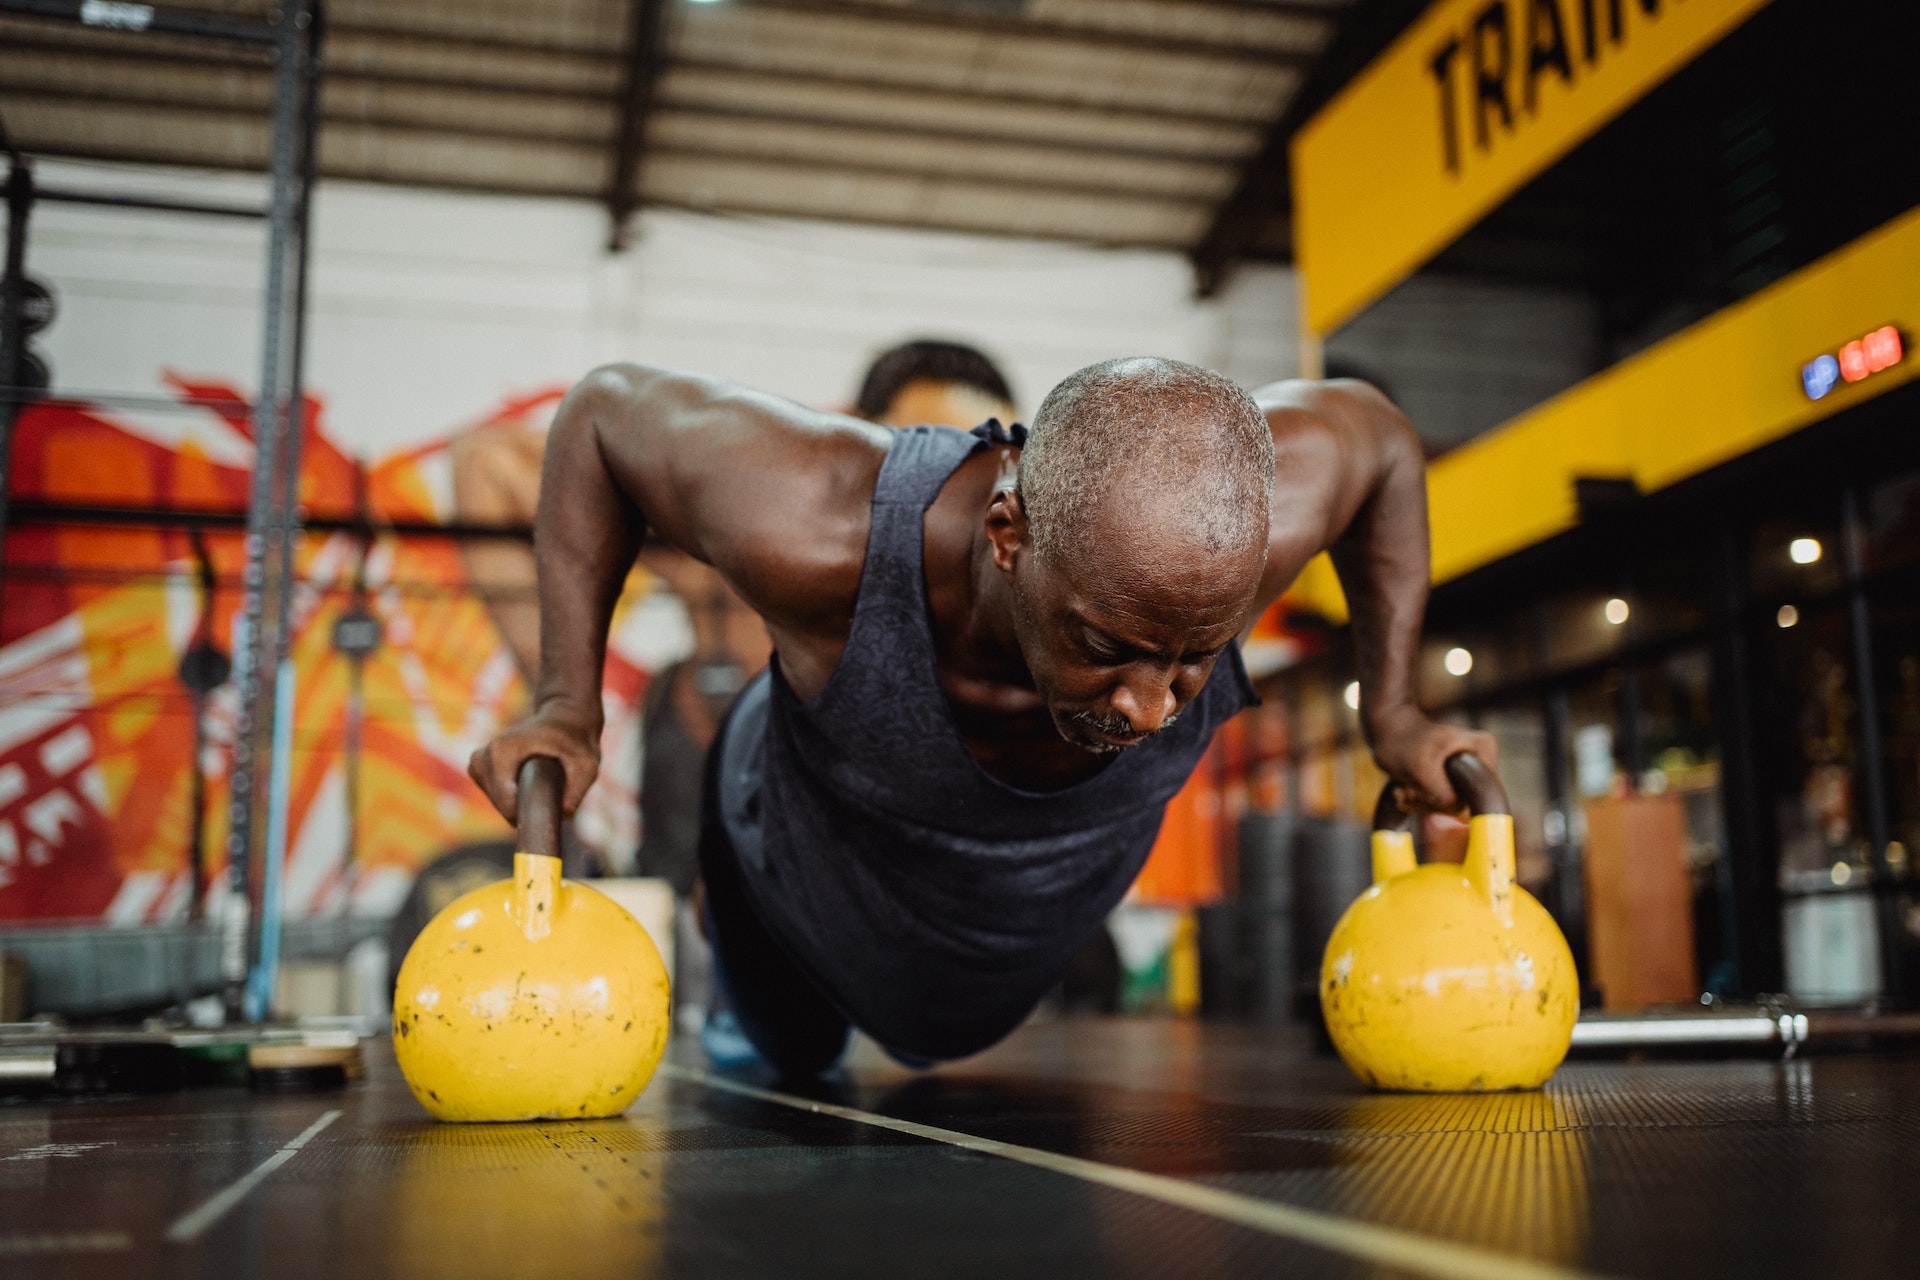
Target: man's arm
(1349, 478)
(772, 494)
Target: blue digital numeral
(1819, 375)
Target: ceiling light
(1353, 695)
(1804, 550)
(1616, 611)
(1458, 662)
(1787, 616)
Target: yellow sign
(1475, 99)
(1729, 384)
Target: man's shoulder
(797, 541)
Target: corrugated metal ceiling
(1111, 121)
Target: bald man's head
(1146, 441)
(1137, 543)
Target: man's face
(1119, 642)
(926, 402)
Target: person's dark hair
(934, 361)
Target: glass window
(1794, 558)
(1895, 612)
(1581, 626)
(1669, 596)
(1447, 669)
(1809, 729)
(1893, 524)
(1682, 754)
(1505, 650)
(1520, 731)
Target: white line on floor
(65, 1242)
(1388, 1246)
(54, 1151)
(190, 1227)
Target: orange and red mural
(96, 728)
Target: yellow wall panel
(1475, 99)
(1721, 388)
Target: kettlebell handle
(542, 782)
(1472, 782)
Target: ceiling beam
(148, 18)
(910, 84)
(958, 97)
(812, 166)
(646, 56)
(973, 21)
(379, 30)
(231, 112)
(1262, 193)
(469, 128)
(743, 155)
(109, 151)
(1187, 157)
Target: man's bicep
(771, 493)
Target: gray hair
(1172, 439)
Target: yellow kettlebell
(534, 998)
(1444, 978)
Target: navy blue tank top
(933, 903)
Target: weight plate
(36, 306)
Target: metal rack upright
(292, 39)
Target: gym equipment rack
(292, 40)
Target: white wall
(429, 307)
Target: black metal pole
(159, 204)
(1749, 866)
(256, 647)
(203, 637)
(1569, 882)
(1872, 765)
(309, 72)
(13, 339)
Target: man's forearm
(1384, 565)
(586, 536)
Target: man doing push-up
(997, 655)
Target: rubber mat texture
(1746, 1169)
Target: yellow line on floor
(1387, 1246)
(188, 1228)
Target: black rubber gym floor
(1095, 1148)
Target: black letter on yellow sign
(1442, 67)
(1546, 47)
(1492, 60)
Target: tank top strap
(917, 465)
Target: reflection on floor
(1749, 1168)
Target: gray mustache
(1114, 726)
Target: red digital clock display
(1858, 360)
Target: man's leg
(795, 1028)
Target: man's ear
(1007, 528)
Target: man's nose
(1146, 701)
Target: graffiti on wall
(97, 767)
